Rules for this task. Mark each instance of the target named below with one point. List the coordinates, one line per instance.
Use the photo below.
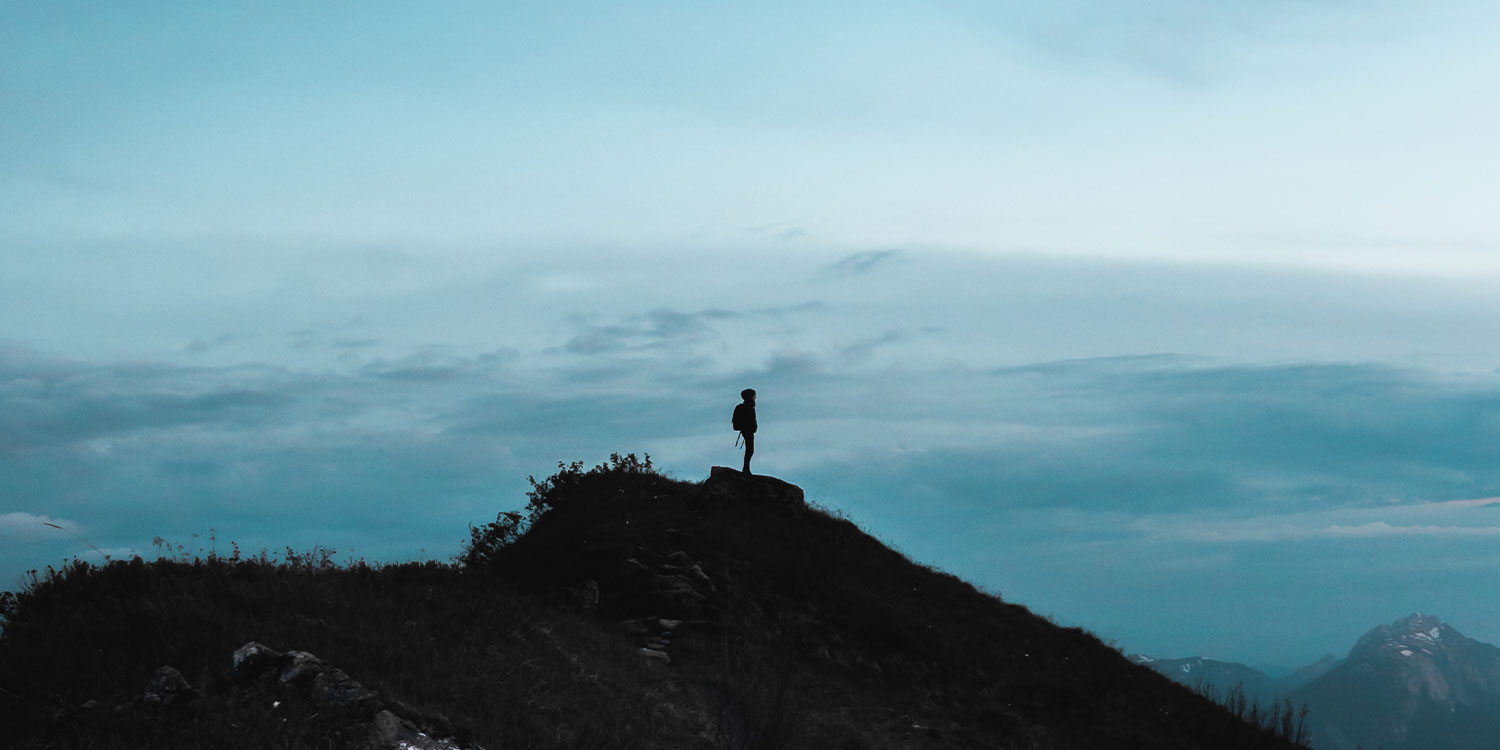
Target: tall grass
(465, 647)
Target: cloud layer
(1027, 478)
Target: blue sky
(1173, 320)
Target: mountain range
(1414, 684)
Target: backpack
(740, 419)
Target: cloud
(783, 231)
(28, 526)
(1325, 434)
(664, 330)
(863, 262)
(1381, 528)
(864, 348)
(199, 346)
(1172, 43)
(1369, 520)
(1272, 530)
(1104, 458)
(657, 329)
(436, 363)
(1145, 435)
(780, 310)
(97, 403)
(1483, 502)
(1094, 366)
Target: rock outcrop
(679, 595)
(756, 488)
(168, 688)
(373, 722)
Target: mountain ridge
(1416, 683)
(621, 608)
(1413, 684)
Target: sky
(1171, 319)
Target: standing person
(744, 423)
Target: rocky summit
(620, 609)
(1415, 684)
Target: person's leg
(749, 449)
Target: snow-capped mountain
(1405, 637)
(1416, 684)
(1215, 678)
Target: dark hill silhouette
(634, 611)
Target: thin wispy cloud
(657, 329)
(1380, 528)
(780, 231)
(198, 346)
(1393, 518)
(864, 262)
(28, 526)
(1263, 531)
(1483, 502)
(440, 364)
(865, 348)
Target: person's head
(749, 395)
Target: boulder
(678, 594)
(299, 667)
(333, 687)
(300, 676)
(251, 659)
(167, 687)
(756, 488)
(654, 655)
(696, 573)
(391, 732)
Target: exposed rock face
(726, 482)
(1416, 683)
(301, 676)
(679, 594)
(324, 684)
(391, 732)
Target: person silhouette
(744, 423)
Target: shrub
(486, 542)
(1281, 720)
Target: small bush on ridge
(486, 541)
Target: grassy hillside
(635, 611)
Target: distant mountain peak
(1415, 683)
(1417, 622)
(1413, 634)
